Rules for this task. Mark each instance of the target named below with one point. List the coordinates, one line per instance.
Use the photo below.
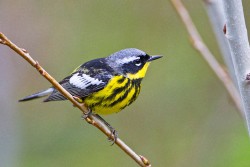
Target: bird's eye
(138, 62)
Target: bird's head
(132, 63)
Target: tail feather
(37, 95)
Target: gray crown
(124, 56)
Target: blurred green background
(183, 116)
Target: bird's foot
(114, 134)
(86, 115)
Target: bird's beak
(154, 57)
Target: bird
(105, 85)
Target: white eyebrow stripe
(84, 81)
(127, 60)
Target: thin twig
(199, 45)
(142, 161)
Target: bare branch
(217, 19)
(92, 119)
(199, 45)
(236, 35)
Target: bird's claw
(86, 115)
(113, 136)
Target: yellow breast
(119, 93)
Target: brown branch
(92, 119)
(199, 45)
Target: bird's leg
(114, 133)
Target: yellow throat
(140, 74)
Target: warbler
(105, 85)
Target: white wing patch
(127, 60)
(84, 81)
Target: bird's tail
(37, 95)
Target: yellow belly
(119, 93)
